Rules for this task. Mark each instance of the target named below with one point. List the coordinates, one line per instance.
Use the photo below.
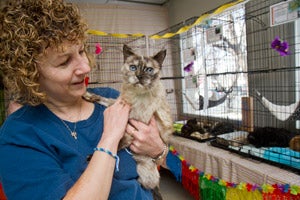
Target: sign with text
(284, 12)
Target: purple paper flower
(189, 67)
(281, 47)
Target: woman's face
(62, 72)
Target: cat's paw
(148, 174)
(91, 97)
(149, 181)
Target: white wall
(181, 10)
(178, 11)
(132, 18)
(138, 18)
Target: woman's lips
(78, 83)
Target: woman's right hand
(115, 120)
(97, 177)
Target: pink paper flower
(98, 49)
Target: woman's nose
(82, 66)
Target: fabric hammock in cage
(211, 102)
(281, 112)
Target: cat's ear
(160, 56)
(127, 51)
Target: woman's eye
(81, 52)
(149, 70)
(65, 62)
(132, 68)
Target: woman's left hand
(146, 138)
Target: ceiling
(150, 2)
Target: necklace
(73, 133)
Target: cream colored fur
(147, 98)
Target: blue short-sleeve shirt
(39, 159)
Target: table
(230, 166)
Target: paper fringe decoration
(205, 186)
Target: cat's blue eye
(149, 70)
(132, 68)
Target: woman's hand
(115, 120)
(146, 138)
(95, 182)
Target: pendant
(74, 135)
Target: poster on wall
(284, 12)
(214, 34)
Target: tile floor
(171, 189)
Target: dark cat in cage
(221, 128)
(192, 125)
(270, 137)
(217, 128)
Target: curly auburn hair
(28, 27)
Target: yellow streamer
(95, 32)
(138, 35)
(225, 6)
(167, 35)
(117, 35)
(198, 21)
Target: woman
(57, 145)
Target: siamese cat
(143, 90)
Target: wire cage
(232, 78)
(222, 77)
(107, 70)
(230, 73)
(206, 71)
